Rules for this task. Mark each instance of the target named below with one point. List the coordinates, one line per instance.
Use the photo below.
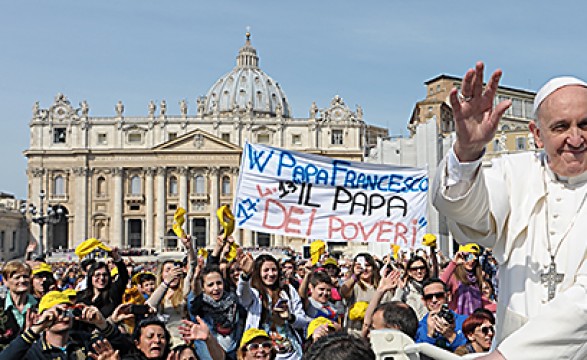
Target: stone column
(183, 188)
(117, 232)
(214, 204)
(33, 198)
(160, 231)
(278, 240)
(80, 226)
(150, 206)
(248, 238)
(234, 174)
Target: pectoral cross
(551, 278)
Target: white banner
(309, 196)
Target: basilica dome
(247, 89)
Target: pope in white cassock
(531, 208)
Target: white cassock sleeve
(560, 332)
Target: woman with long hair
(410, 289)
(359, 288)
(463, 277)
(220, 310)
(101, 290)
(272, 306)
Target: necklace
(551, 277)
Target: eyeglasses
(470, 257)
(486, 329)
(416, 268)
(267, 345)
(438, 295)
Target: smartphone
(139, 310)
(361, 261)
(280, 304)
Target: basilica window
(135, 138)
(173, 186)
(59, 186)
(101, 186)
(226, 137)
(296, 139)
(263, 138)
(200, 184)
(521, 143)
(528, 109)
(226, 185)
(102, 139)
(135, 185)
(2, 235)
(59, 136)
(517, 107)
(172, 136)
(337, 137)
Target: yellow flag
(226, 219)
(178, 220)
(232, 253)
(395, 250)
(317, 248)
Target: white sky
(373, 53)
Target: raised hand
(102, 350)
(390, 281)
(476, 119)
(247, 264)
(121, 313)
(191, 331)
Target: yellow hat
(317, 322)
(252, 334)
(88, 246)
(358, 310)
(317, 248)
(178, 220)
(42, 268)
(429, 240)
(471, 248)
(226, 219)
(51, 299)
(330, 261)
(69, 292)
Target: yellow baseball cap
(471, 248)
(135, 277)
(51, 299)
(429, 240)
(330, 261)
(42, 268)
(317, 322)
(69, 292)
(88, 246)
(252, 334)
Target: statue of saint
(152, 108)
(163, 107)
(119, 108)
(85, 108)
(36, 109)
(183, 107)
(359, 112)
(313, 110)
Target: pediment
(197, 141)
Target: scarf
(417, 286)
(222, 312)
(468, 296)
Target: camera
(139, 310)
(74, 312)
(446, 314)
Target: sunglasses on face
(438, 295)
(267, 345)
(416, 268)
(470, 257)
(486, 329)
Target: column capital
(235, 170)
(183, 170)
(81, 171)
(161, 170)
(117, 171)
(150, 171)
(213, 170)
(37, 172)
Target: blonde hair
(177, 299)
(14, 267)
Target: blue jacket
(439, 340)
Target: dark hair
(87, 262)
(431, 281)
(412, 260)
(209, 270)
(473, 321)
(485, 312)
(339, 346)
(397, 314)
(136, 335)
(146, 277)
(180, 348)
(318, 277)
(257, 283)
(88, 293)
(368, 258)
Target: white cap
(552, 86)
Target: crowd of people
(223, 305)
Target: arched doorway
(58, 230)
